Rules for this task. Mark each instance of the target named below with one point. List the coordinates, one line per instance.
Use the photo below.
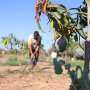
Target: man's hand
(36, 50)
(32, 55)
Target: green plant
(77, 63)
(12, 61)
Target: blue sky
(17, 17)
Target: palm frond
(39, 26)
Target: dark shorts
(33, 50)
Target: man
(34, 43)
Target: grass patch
(12, 61)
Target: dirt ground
(41, 78)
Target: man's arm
(38, 45)
(30, 46)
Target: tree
(5, 41)
(12, 40)
(9, 41)
(87, 44)
(87, 50)
(64, 24)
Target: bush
(77, 63)
(12, 61)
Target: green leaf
(39, 26)
(76, 37)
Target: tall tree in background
(5, 42)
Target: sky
(18, 17)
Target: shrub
(13, 61)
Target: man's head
(36, 34)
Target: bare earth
(41, 78)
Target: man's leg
(37, 55)
(34, 59)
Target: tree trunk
(11, 45)
(87, 42)
(88, 39)
(87, 52)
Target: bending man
(34, 43)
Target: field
(42, 77)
